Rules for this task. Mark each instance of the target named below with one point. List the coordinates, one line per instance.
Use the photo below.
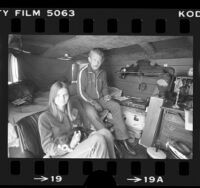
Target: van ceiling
(54, 46)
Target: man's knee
(106, 133)
(91, 112)
(114, 106)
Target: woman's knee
(98, 138)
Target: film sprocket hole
(43, 45)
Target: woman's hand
(75, 139)
(65, 148)
(62, 149)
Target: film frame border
(166, 25)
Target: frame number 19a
(152, 179)
(146, 179)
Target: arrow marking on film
(42, 178)
(135, 179)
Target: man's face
(95, 61)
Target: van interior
(151, 77)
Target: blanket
(16, 113)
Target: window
(13, 72)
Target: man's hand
(97, 106)
(107, 98)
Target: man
(93, 89)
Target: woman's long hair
(53, 107)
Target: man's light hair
(98, 51)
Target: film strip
(98, 22)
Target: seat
(28, 132)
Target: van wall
(44, 71)
(176, 53)
(180, 59)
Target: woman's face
(62, 97)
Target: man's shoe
(127, 146)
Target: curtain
(13, 72)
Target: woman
(57, 121)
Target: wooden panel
(152, 121)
